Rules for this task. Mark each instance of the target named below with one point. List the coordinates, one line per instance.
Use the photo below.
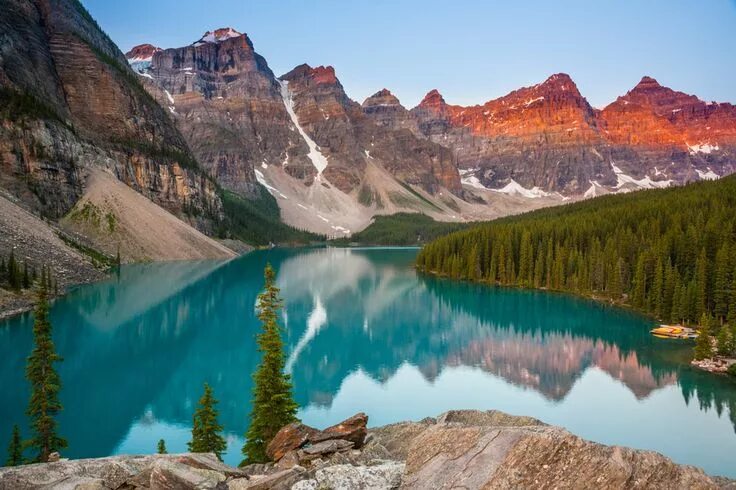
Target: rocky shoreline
(715, 365)
(459, 449)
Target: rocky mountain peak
(324, 74)
(649, 93)
(433, 99)
(305, 73)
(559, 82)
(382, 98)
(142, 52)
(218, 36)
(647, 83)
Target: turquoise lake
(364, 332)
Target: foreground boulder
(290, 437)
(352, 429)
(352, 432)
(452, 455)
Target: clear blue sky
(472, 51)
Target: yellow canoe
(674, 331)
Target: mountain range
(333, 163)
(193, 128)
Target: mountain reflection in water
(363, 332)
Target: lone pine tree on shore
(206, 430)
(273, 402)
(161, 448)
(15, 449)
(44, 403)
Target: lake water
(364, 332)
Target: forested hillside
(403, 229)
(670, 253)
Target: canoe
(674, 332)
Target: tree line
(669, 253)
(16, 275)
(273, 403)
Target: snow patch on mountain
(533, 101)
(318, 159)
(169, 96)
(705, 148)
(593, 190)
(217, 36)
(709, 175)
(514, 187)
(271, 189)
(645, 183)
(467, 177)
(473, 181)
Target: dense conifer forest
(670, 253)
(402, 229)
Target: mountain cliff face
(236, 117)
(227, 104)
(548, 136)
(71, 103)
(670, 133)
(300, 136)
(349, 137)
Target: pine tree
(725, 341)
(473, 260)
(539, 267)
(13, 280)
(44, 404)
(15, 449)
(273, 403)
(161, 448)
(526, 257)
(26, 276)
(703, 347)
(721, 285)
(206, 430)
(656, 304)
(701, 285)
(640, 283)
(731, 318)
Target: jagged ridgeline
(670, 253)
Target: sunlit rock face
(671, 133)
(542, 136)
(548, 136)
